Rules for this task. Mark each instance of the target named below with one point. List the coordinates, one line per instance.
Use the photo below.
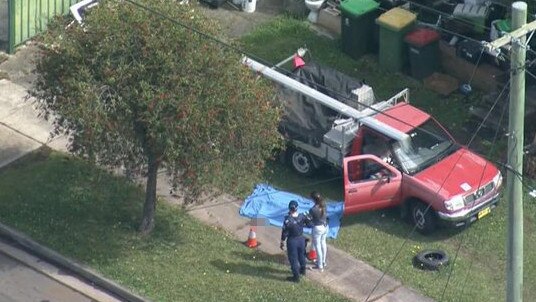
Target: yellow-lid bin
(396, 19)
(394, 24)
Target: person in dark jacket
(319, 220)
(293, 234)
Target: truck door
(370, 184)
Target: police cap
(293, 205)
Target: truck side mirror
(386, 177)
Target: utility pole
(514, 265)
(514, 194)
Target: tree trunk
(147, 223)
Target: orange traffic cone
(312, 254)
(252, 239)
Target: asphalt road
(20, 283)
(27, 278)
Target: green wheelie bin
(394, 24)
(358, 27)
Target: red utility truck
(390, 152)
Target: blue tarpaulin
(268, 203)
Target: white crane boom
(329, 101)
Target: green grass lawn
(92, 216)
(478, 273)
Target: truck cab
(434, 179)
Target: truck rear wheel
(423, 217)
(301, 162)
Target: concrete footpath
(345, 274)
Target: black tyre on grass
(431, 260)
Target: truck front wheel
(301, 162)
(423, 217)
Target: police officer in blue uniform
(293, 234)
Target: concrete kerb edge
(15, 158)
(69, 264)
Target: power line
(517, 174)
(452, 17)
(449, 16)
(240, 51)
(202, 34)
(437, 26)
(384, 272)
(476, 66)
(442, 14)
(427, 209)
(526, 185)
(499, 96)
(236, 49)
(253, 56)
(481, 176)
(480, 181)
(213, 158)
(243, 52)
(490, 151)
(531, 74)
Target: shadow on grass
(263, 265)
(390, 222)
(262, 257)
(263, 271)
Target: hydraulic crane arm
(327, 101)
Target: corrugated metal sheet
(30, 17)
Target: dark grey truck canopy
(307, 120)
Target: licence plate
(484, 212)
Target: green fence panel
(28, 18)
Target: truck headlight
(497, 180)
(455, 203)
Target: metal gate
(30, 17)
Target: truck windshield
(429, 144)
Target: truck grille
(482, 191)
